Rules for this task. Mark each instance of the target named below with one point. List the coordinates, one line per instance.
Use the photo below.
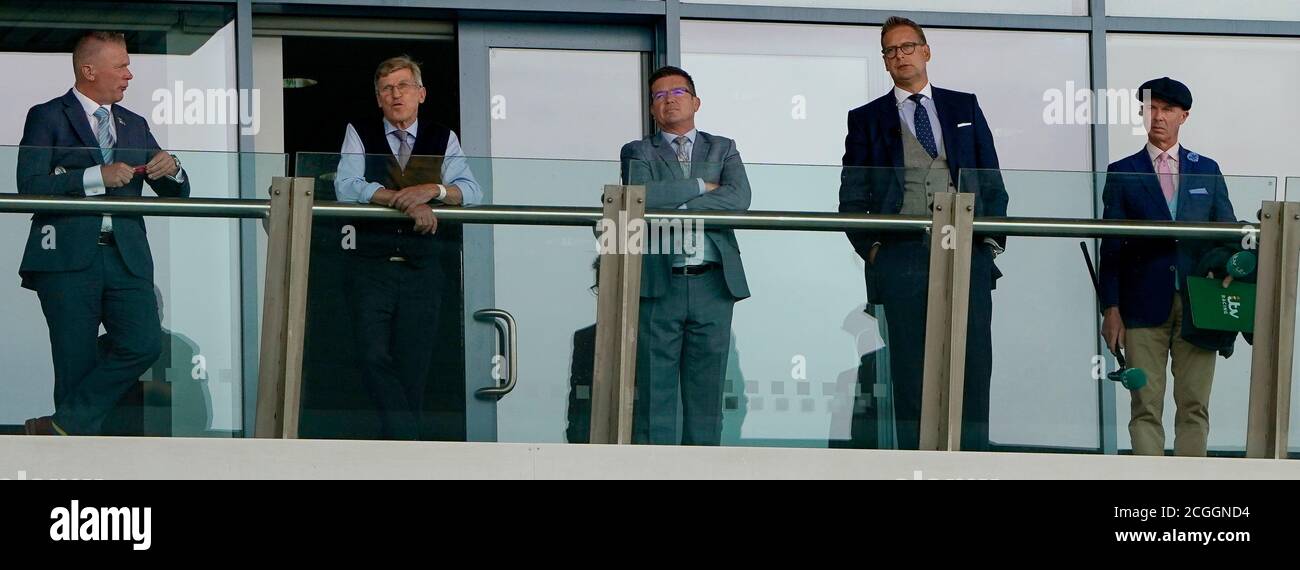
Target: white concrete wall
(177, 458)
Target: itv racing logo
(1232, 306)
(123, 524)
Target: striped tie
(104, 134)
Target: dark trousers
(395, 308)
(682, 349)
(87, 386)
(904, 269)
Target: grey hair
(395, 63)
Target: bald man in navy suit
(90, 269)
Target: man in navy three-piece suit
(900, 150)
(93, 269)
(1143, 282)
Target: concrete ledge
(24, 457)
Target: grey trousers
(682, 350)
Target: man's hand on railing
(425, 221)
(413, 195)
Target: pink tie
(1166, 176)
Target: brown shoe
(41, 426)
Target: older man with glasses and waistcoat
(394, 284)
(901, 149)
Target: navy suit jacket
(652, 162)
(58, 134)
(1137, 273)
(875, 142)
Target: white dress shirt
(92, 180)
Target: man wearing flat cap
(1144, 280)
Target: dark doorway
(344, 71)
(335, 402)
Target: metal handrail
(1054, 227)
(521, 215)
(582, 216)
(811, 221)
(181, 207)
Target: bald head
(101, 63)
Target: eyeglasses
(908, 48)
(675, 92)
(399, 89)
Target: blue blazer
(652, 162)
(1137, 274)
(875, 141)
(57, 135)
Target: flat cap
(1169, 90)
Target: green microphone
(1242, 264)
(1131, 378)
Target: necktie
(684, 160)
(683, 154)
(104, 135)
(924, 133)
(403, 148)
(1166, 175)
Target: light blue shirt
(705, 251)
(907, 113)
(351, 186)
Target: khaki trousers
(1149, 348)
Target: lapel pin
(1193, 157)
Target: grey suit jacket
(651, 162)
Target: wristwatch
(178, 163)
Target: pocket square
(1198, 191)
(960, 125)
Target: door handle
(507, 331)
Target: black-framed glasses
(908, 48)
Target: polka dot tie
(924, 133)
